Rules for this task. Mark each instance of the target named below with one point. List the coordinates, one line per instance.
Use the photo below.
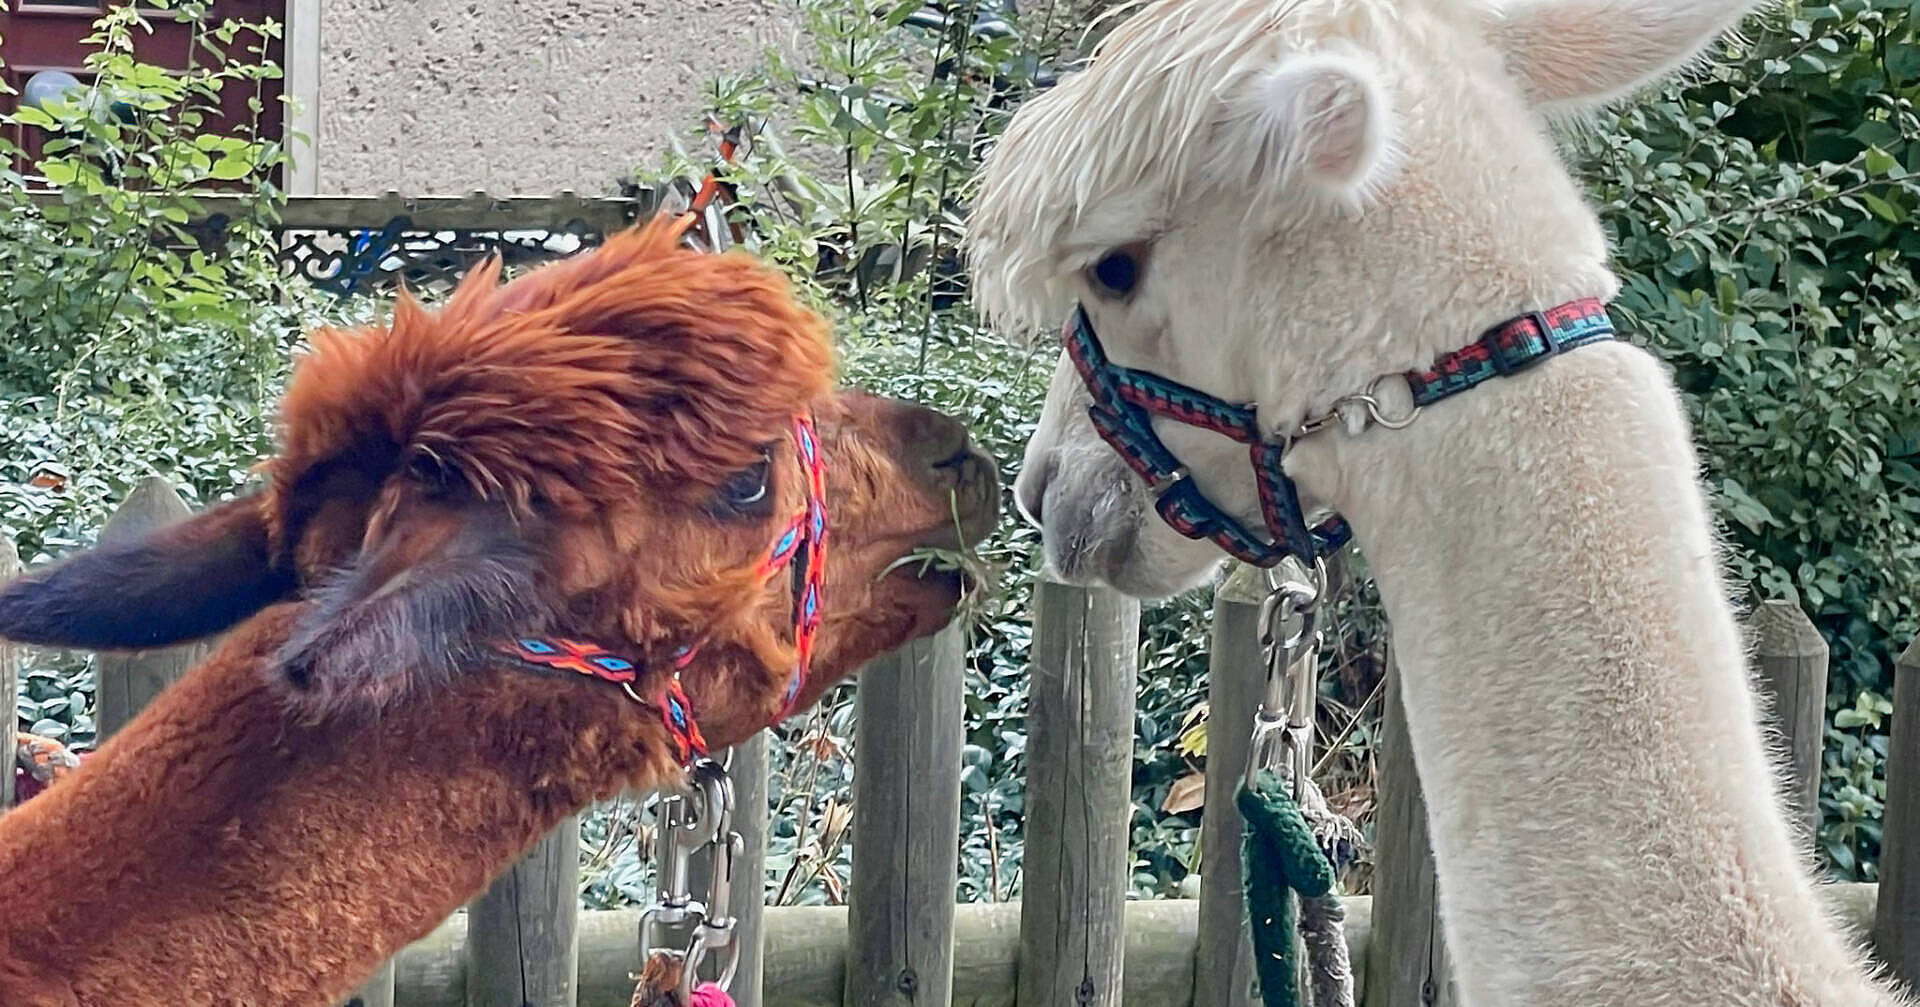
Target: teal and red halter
(801, 547)
(1126, 400)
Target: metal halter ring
(1375, 412)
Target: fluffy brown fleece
(547, 455)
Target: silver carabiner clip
(690, 822)
(1283, 725)
(717, 932)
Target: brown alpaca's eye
(748, 488)
(1115, 275)
(430, 472)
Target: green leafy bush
(130, 349)
(1763, 219)
(865, 210)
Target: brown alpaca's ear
(177, 583)
(428, 598)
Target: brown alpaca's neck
(218, 851)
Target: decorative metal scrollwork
(428, 262)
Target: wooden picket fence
(1074, 939)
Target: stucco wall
(519, 96)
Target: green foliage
(130, 350)
(865, 211)
(1763, 219)
(103, 273)
(1761, 215)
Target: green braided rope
(1278, 859)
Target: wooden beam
(1896, 927)
(906, 823)
(807, 952)
(1078, 805)
(751, 767)
(302, 77)
(1790, 659)
(128, 681)
(523, 933)
(1410, 968)
(1236, 677)
(748, 769)
(377, 991)
(475, 211)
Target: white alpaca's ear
(1575, 55)
(1321, 119)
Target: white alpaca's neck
(1603, 813)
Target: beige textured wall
(519, 96)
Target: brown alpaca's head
(602, 450)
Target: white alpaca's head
(1276, 201)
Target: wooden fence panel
(906, 824)
(377, 991)
(1407, 965)
(1896, 922)
(1791, 658)
(523, 933)
(126, 682)
(1236, 677)
(749, 769)
(1078, 804)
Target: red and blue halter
(801, 546)
(1126, 400)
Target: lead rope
(1293, 843)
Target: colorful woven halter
(801, 547)
(1126, 400)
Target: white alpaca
(1276, 201)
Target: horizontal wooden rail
(806, 952)
(473, 211)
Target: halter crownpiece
(1126, 400)
(801, 546)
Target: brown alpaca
(599, 450)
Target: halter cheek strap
(1125, 401)
(801, 546)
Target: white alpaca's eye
(1115, 275)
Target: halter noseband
(1126, 400)
(801, 546)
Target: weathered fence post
(1407, 962)
(523, 934)
(748, 769)
(377, 991)
(9, 679)
(1078, 804)
(127, 682)
(1791, 658)
(906, 824)
(1223, 965)
(1896, 922)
